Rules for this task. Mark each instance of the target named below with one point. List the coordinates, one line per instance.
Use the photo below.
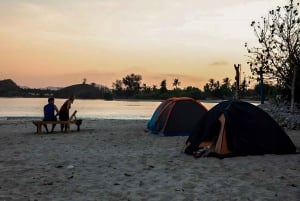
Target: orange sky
(58, 43)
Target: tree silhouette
(132, 83)
(225, 88)
(118, 87)
(278, 56)
(163, 86)
(212, 88)
(176, 83)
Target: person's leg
(61, 125)
(66, 128)
(53, 126)
(63, 117)
(66, 119)
(45, 125)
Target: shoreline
(118, 160)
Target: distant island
(8, 88)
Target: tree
(269, 90)
(209, 87)
(145, 88)
(226, 82)
(225, 88)
(176, 83)
(118, 86)
(212, 88)
(211, 84)
(193, 92)
(278, 56)
(132, 83)
(154, 88)
(163, 86)
(243, 87)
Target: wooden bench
(39, 124)
(72, 120)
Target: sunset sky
(60, 42)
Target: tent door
(221, 145)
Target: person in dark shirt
(49, 113)
(64, 112)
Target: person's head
(71, 98)
(51, 100)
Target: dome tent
(239, 128)
(176, 117)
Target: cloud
(219, 63)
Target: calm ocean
(11, 108)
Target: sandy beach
(118, 160)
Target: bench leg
(68, 127)
(39, 128)
(78, 125)
(65, 127)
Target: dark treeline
(131, 87)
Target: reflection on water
(92, 109)
(87, 109)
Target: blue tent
(176, 116)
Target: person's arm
(69, 104)
(56, 109)
(44, 111)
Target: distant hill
(82, 91)
(9, 88)
(79, 91)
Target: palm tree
(176, 83)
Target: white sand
(117, 160)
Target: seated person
(64, 112)
(49, 113)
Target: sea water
(15, 108)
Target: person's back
(49, 112)
(64, 112)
